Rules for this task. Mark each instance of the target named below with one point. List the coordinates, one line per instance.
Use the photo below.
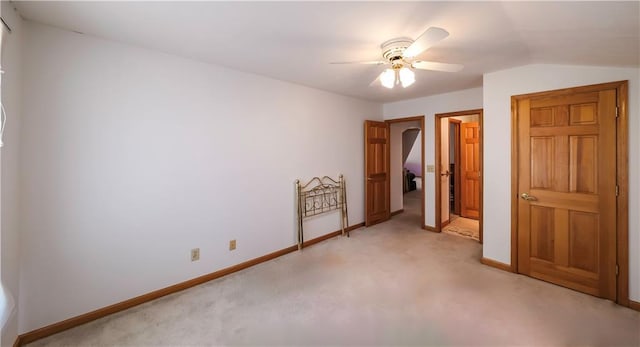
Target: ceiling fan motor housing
(392, 50)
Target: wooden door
(567, 187)
(376, 162)
(445, 173)
(455, 124)
(470, 170)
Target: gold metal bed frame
(324, 196)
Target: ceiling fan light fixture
(401, 53)
(388, 78)
(407, 77)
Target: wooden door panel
(583, 114)
(542, 227)
(542, 162)
(376, 172)
(541, 117)
(583, 241)
(583, 164)
(566, 229)
(378, 206)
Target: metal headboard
(318, 196)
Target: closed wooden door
(470, 170)
(376, 162)
(567, 188)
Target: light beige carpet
(390, 284)
(465, 227)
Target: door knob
(446, 173)
(528, 197)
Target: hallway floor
(390, 284)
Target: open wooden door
(566, 174)
(470, 170)
(445, 173)
(454, 124)
(376, 164)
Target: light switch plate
(431, 168)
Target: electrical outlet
(232, 245)
(195, 254)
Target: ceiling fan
(401, 52)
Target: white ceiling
(295, 41)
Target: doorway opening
(406, 165)
(458, 162)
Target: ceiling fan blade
(435, 66)
(373, 62)
(430, 37)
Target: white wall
(498, 88)
(468, 99)
(414, 159)
(131, 157)
(9, 163)
(395, 161)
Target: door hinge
(617, 190)
(617, 270)
(617, 111)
